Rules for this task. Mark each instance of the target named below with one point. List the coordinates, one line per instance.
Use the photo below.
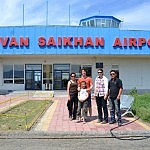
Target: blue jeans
(115, 107)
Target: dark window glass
(61, 67)
(18, 71)
(76, 69)
(33, 67)
(83, 23)
(7, 71)
(18, 81)
(92, 23)
(88, 69)
(18, 74)
(8, 81)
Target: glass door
(60, 80)
(65, 79)
(33, 80)
(61, 76)
(33, 77)
(29, 80)
(57, 79)
(37, 82)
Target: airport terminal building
(42, 57)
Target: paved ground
(56, 120)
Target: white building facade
(42, 57)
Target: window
(76, 69)
(8, 73)
(64, 67)
(83, 23)
(98, 22)
(33, 67)
(18, 74)
(88, 68)
(108, 23)
(13, 74)
(47, 74)
(99, 65)
(103, 20)
(88, 23)
(113, 23)
(103, 23)
(92, 23)
(117, 25)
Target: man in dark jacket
(115, 89)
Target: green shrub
(141, 106)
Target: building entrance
(61, 76)
(33, 77)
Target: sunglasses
(72, 76)
(112, 74)
(100, 72)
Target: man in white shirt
(100, 93)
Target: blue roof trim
(99, 17)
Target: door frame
(61, 70)
(33, 77)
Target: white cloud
(136, 18)
(11, 14)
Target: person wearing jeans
(115, 106)
(115, 89)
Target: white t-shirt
(83, 94)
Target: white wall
(133, 71)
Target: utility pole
(46, 13)
(23, 16)
(69, 14)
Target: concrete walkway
(56, 120)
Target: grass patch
(23, 116)
(141, 107)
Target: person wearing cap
(100, 94)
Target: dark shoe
(78, 118)
(119, 124)
(99, 120)
(112, 122)
(74, 118)
(104, 122)
(84, 120)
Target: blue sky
(133, 13)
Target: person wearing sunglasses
(72, 90)
(100, 94)
(115, 88)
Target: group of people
(79, 97)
